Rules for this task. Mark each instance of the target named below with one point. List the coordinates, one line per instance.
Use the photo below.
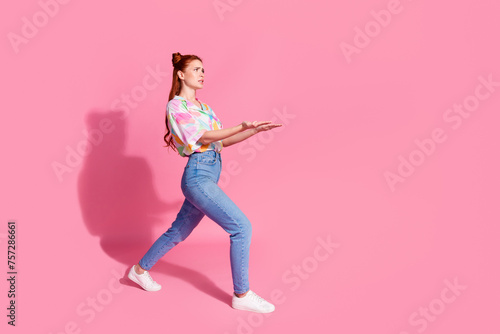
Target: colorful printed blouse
(187, 123)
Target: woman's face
(194, 75)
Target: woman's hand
(252, 125)
(266, 127)
(259, 126)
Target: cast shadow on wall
(117, 197)
(119, 203)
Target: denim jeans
(205, 197)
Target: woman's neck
(188, 95)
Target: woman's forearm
(215, 135)
(238, 137)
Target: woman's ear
(180, 74)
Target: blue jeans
(205, 197)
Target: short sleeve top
(187, 123)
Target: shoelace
(149, 278)
(258, 298)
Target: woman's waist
(212, 152)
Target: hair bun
(176, 57)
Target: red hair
(180, 63)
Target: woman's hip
(202, 167)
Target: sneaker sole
(133, 279)
(243, 308)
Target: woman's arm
(215, 135)
(232, 135)
(238, 137)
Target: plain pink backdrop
(349, 119)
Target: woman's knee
(240, 229)
(246, 228)
(175, 235)
(249, 228)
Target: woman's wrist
(244, 128)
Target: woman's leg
(187, 219)
(201, 189)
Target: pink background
(349, 119)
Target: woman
(196, 132)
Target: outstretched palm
(260, 126)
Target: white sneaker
(144, 280)
(252, 302)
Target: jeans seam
(214, 201)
